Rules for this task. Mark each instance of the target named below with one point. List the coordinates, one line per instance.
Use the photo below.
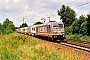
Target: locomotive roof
(52, 23)
(42, 24)
(47, 24)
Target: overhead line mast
(23, 20)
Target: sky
(33, 10)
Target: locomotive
(51, 30)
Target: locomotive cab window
(60, 25)
(55, 25)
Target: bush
(85, 38)
(73, 37)
(7, 27)
(68, 30)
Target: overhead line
(72, 2)
(82, 4)
(29, 20)
(51, 15)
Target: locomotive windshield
(58, 25)
(55, 25)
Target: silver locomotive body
(51, 30)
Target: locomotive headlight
(63, 33)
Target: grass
(17, 46)
(78, 37)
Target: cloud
(15, 10)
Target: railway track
(82, 45)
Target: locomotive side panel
(43, 30)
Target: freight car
(51, 30)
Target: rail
(82, 45)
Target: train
(51, 31)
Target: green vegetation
(7, 27)
(88, 23)
(24, 25)
(79, 27)
(67, 15)
(73, 37)
(86, 38)
(78, 37)
(75, 26)
(16, 46)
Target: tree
(6, 22)
(24, 25)
(88, 23)
(68, 30)
(78, 25)
(9, 27)
(82, 22)
(67, 15)
(38, 23)
(83, 28)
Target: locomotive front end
(58, 32)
